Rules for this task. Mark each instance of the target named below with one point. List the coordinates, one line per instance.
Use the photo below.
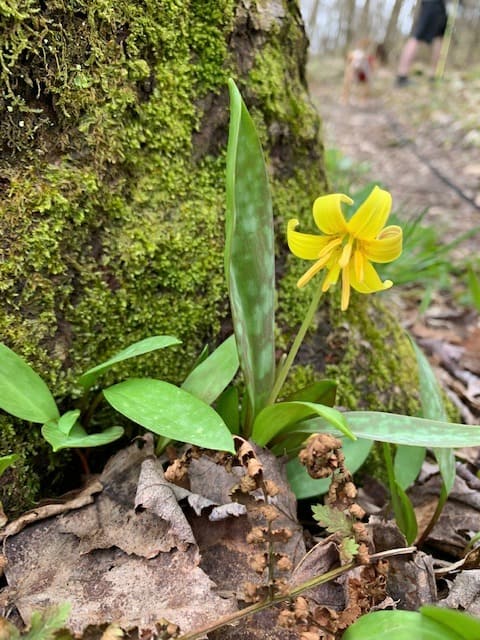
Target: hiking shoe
(402, 81)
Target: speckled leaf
(153, 343)
(397, 429)
(22, 392)
(170, 411)
(211, 376)
(280, 417)
(249, 253)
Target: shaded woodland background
(333, 26)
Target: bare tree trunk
(349, 23)
(392, 27)
(364, 22)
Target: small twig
(293, 593)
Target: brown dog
(359, 68)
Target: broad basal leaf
(249, 253)
(147, 345)
(78, 438)
(22, 392)
(321, 391)
(397, 429)
(170, 411)
(214, 374)
(465, 625)
(399, 625)
(278, 418)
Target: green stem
(285, 368)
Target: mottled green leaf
(170, 411)
(212, 375)
(399, 625)
(153, 343)
(78, 438)
(7, 461)
(304, 486)
(397, 429)
(280, 417)
(250, 254)
(22, 392)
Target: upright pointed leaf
(433, 407)
(22, 392)
(153, 343)
(249, 253)
(211, 376)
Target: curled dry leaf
(112, 570)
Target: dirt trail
(420, 143)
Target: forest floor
(422, 143)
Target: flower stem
(285, 368)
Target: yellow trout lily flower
(348, 247)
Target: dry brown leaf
(84, 497)
(111, 569)
(465, 593)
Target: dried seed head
(269, 512)
(284, 563)
(271, 488)
(280, 535)
(256, 535)
(259, 562)
(321, 455)
(350, 490)
(301, 609)
(286, 619)
(356, 511)
(247, 484)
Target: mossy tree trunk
(112, 163)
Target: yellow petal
(328, 215)
(358, 264)
(331, 278)
(314, 269)
(387, 247)
(371, 281)
(345, 288)
(304, 245)
(370, 218)
(346, 253)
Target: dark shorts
(431, 22)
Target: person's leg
(407, 57)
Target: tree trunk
(392, 27)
